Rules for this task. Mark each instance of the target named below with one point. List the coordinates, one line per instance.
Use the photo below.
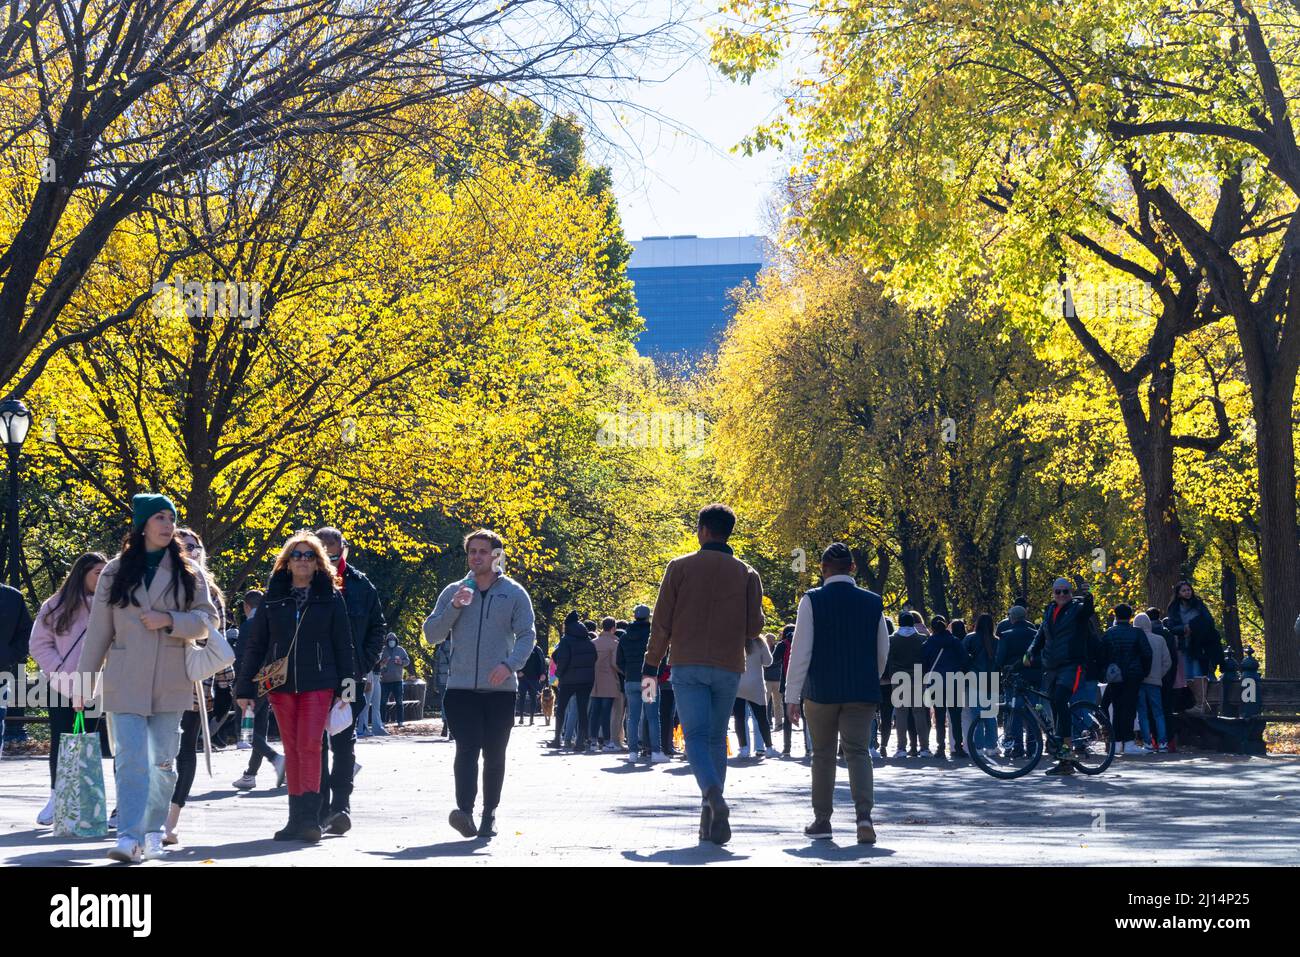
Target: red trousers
(302, 717)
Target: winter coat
(575, 658)
(758, 656)
(322, 658)
(144, 669)
(607, 683)
(1204, 644)
(631, 650)
(58, 653)
(1128, 648)
(365, 620)
(15, 629)
(944, 654)
(496, 628)
(1062, 638)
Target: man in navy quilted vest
(840, 648)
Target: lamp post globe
(15, 422)
(1024, 551)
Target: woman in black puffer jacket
(303, 617)
(1199, 642)
(575, 668)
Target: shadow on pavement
(463, 848)
(830, 851)
(696, 855)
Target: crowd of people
(313, 651)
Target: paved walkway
(594, 810)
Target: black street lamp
(15, 421)
(1024, 551)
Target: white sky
(687, 180)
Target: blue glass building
(682, 285)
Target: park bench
(1279, 699)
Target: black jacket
(776, 670)
(1128, 648)
(631, 649)
(575, 659)
(15, 629)
(323, 657)
(1014, 641)
(1204, 644)
(781, 653)
(535, 667)
(365, 620)
(1063, 642)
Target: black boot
(719, 826)
(309, 819)
(487, 823)
(290, 830)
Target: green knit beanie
(145, 507)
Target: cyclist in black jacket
(1062, 646)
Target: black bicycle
(1025, 731)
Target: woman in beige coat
(151, 601)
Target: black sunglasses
(1060, 591)
(295, 554)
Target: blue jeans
(144, 768)
(599, 713)
(1149, 697)
(705, 697)
(635, 709)
(371, 719)
(571, 720)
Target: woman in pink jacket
(57, 640)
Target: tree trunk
(937, 577)
(1231, 618)
(913, 562)
(1152, 443)
(1279, 535)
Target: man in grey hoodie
(489, 618)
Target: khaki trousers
(775, 708)
(830, 724)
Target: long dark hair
(984, 628)
(130, 572)
(1179, 587)
(218, 596)
(72, 592)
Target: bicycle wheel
(1015, 754)
(1092, 741)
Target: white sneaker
(46, 817)
(875, 754)
(243, 745)
(153, 846)
(245, 782)
(658, 757)
(126, 851)
(611, 746)
(900, 753)
(1140, 748)
(112, 820)
(772, 753)
(277, 762)
(743, 753)
(924, 753)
